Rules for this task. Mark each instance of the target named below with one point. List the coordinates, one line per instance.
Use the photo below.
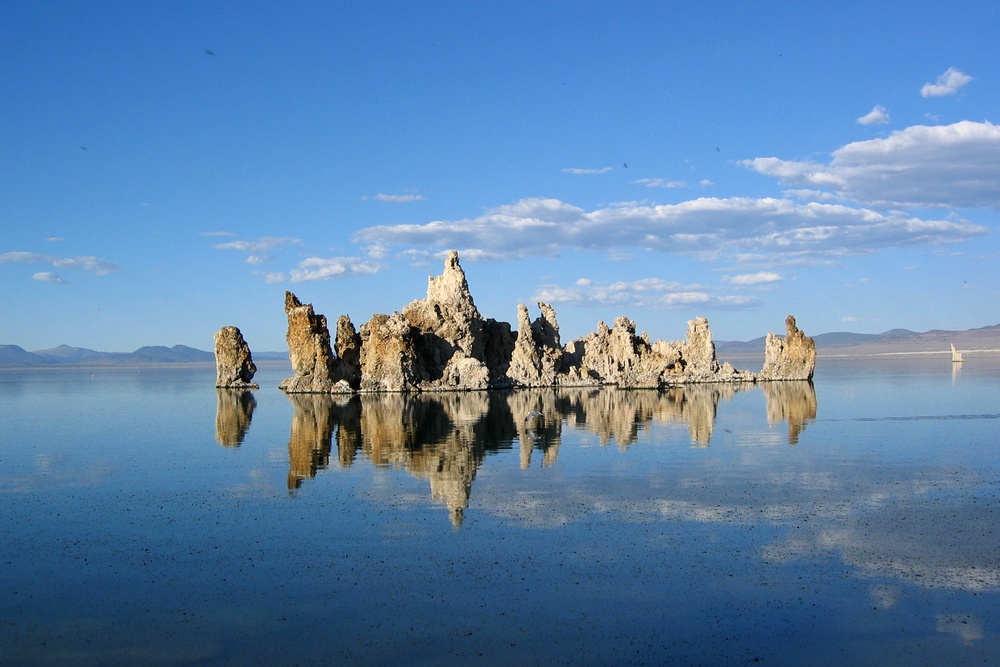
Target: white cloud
(660, 183)
(879, 115)
(954, 165)
(574, 170)
(48, 277)
(399, 199)
(806, 194)
(708, 228)
(759, 278)
(274, 277)
(261, 245)
(324, 268)
(647, 292)
(95, 265)
(218, 234)
(257, 251)
(54, 239)
(946, 84)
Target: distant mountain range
(895, 341)
(64, 355)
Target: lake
(148, 518)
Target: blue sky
(167, 169)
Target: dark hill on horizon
(838, 343)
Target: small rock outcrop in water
(790, 358)
(234, 367)
(442, 342)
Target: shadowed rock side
(790, 358)
(234, 367)
(442, 342)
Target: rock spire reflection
(445, 437)
(233, 412)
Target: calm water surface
(148, 518)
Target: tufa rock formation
(317, 368)
(442, 342)
(790, 358)
(234, 367)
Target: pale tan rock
(347, 347)
(442, 343)
(313, 361)
(233, 361)
(790, 358)
(448, 334)
(536, 358)
(388, 355)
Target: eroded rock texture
(317, 369)
(234, 367)
(442, 342)
(620, 357)
(536, 360)
(790, 358)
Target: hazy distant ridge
(892, 341)
(838, 342)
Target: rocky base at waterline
(442, 343)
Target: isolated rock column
(790, 358)
(233, 362)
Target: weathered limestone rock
(442, 343)
(388, 355)
(790, 358)
(536, 358)
(437, 343)
(233, 362)
(347, 347)
(313, 361)
(617, 356)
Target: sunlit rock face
(233, 362)
(618, 356)
(443, 343)
(790, 358)
(317, 369)
(437, 343)
(388, 355)
(536, 360)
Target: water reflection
(233, 412)
(792, 402)
(444, 437)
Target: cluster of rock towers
(442, 343)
